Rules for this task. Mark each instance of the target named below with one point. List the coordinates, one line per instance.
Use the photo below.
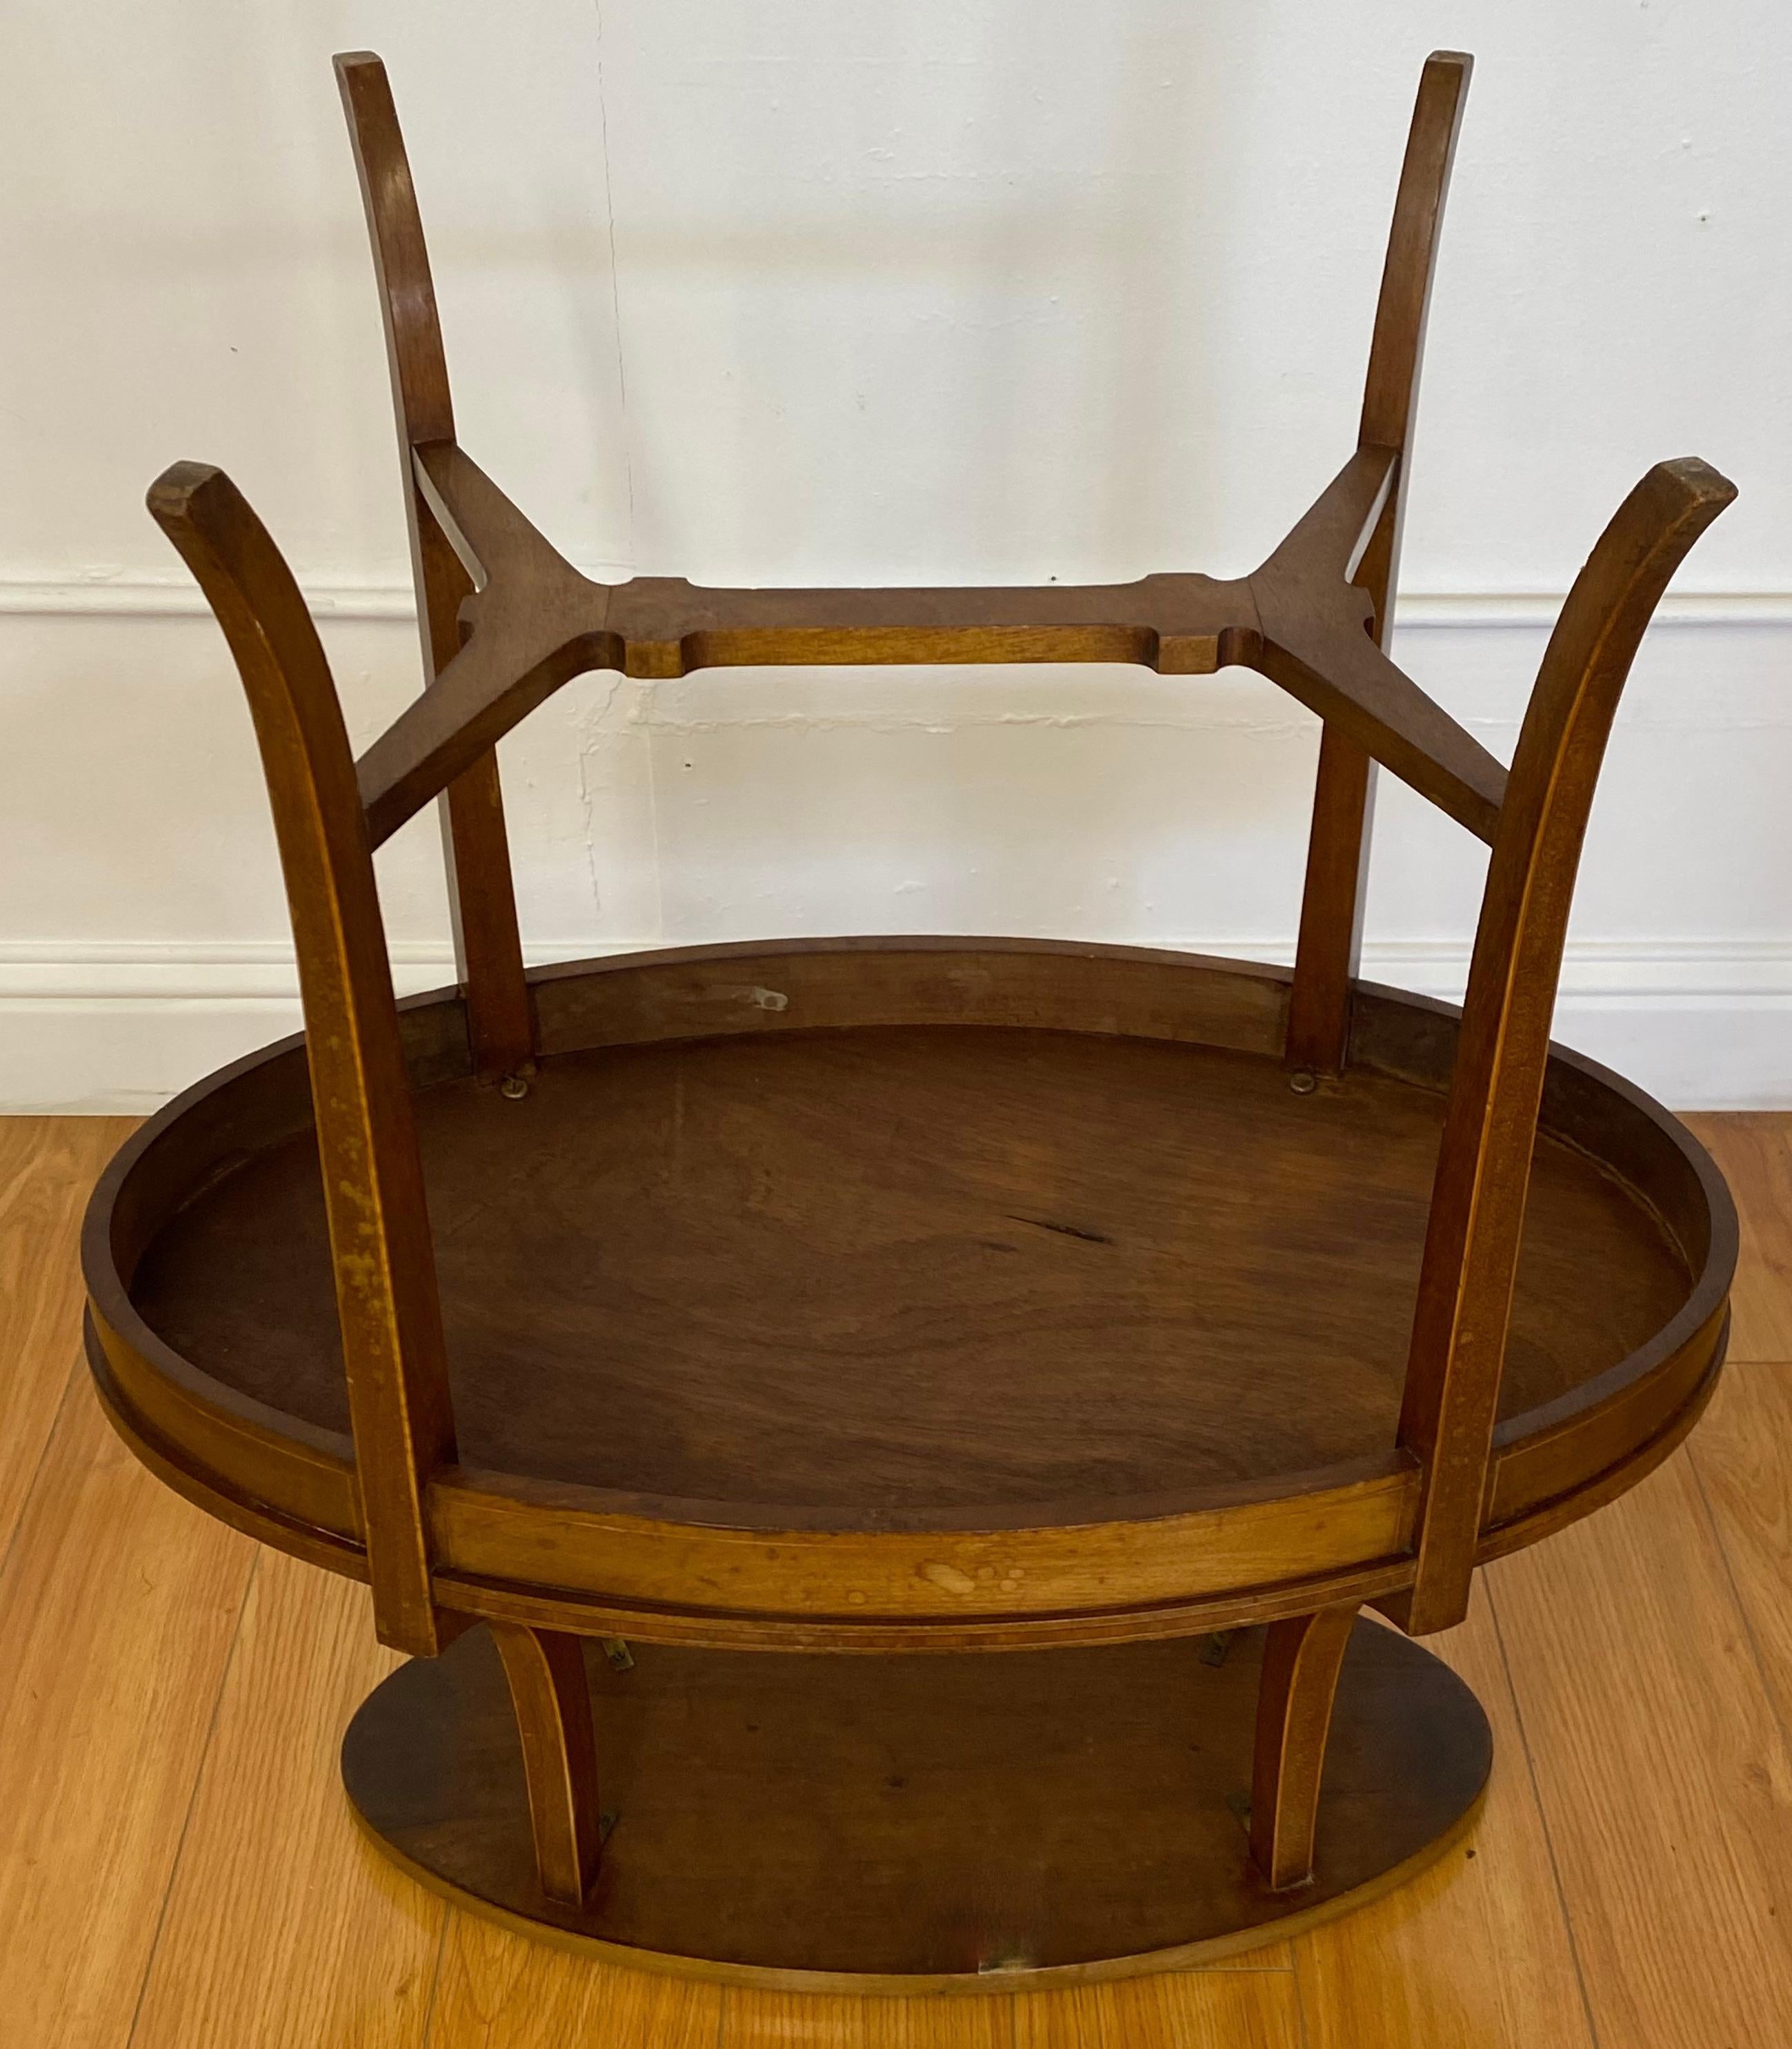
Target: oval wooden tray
(1016, 1275)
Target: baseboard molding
(93, 1027)
(174, 597)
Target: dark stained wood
(552, 628)
(922, 1823)
(1212, 1555)
(1333, 899)
(847, 984)
(1391, 389)
(779, 1266)
(1390, 397)
(535, 622)
(1329, 948)
(1302, 1658)
(385, 1303)
(545, 1669)
(407, 291)
(1317, 643)
(911, 1294)
(1460, 1345)
(488, 945)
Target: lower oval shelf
(921, 1824)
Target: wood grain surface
(1054, 1811)
(487, 947)
(1664, 1768)
(885, 1271)
(1476, 1951)
(1739, 1457)
(1622, 1871)
(323, 1945)
(118, 1608)
(48, 1166)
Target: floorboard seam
(1305, 2033)
(192, 1799)
(1768, 1690)
(447, 1914)
(71, 1376)
(1562, 1906)
(28, 1499)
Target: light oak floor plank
(1476, 1953)
(1191, 2010)
(1754, 1154)
(1742, 1452)
(118, 1611)
(284, 1929)
(48, 1168)
(173, 1848)
(1665, 1777)
(499, 1991)
(772, 2021)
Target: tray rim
(690, 1571)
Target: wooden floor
(178, 1871)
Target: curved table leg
(1302, 1661)
(548, 1688)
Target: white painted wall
(956, 291)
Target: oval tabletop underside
(885, 1270)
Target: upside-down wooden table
(1139, 1316)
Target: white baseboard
(93, 1028)
(97, 1025)
(175, 597)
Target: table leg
(549, 1690)
(1301, 1661)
